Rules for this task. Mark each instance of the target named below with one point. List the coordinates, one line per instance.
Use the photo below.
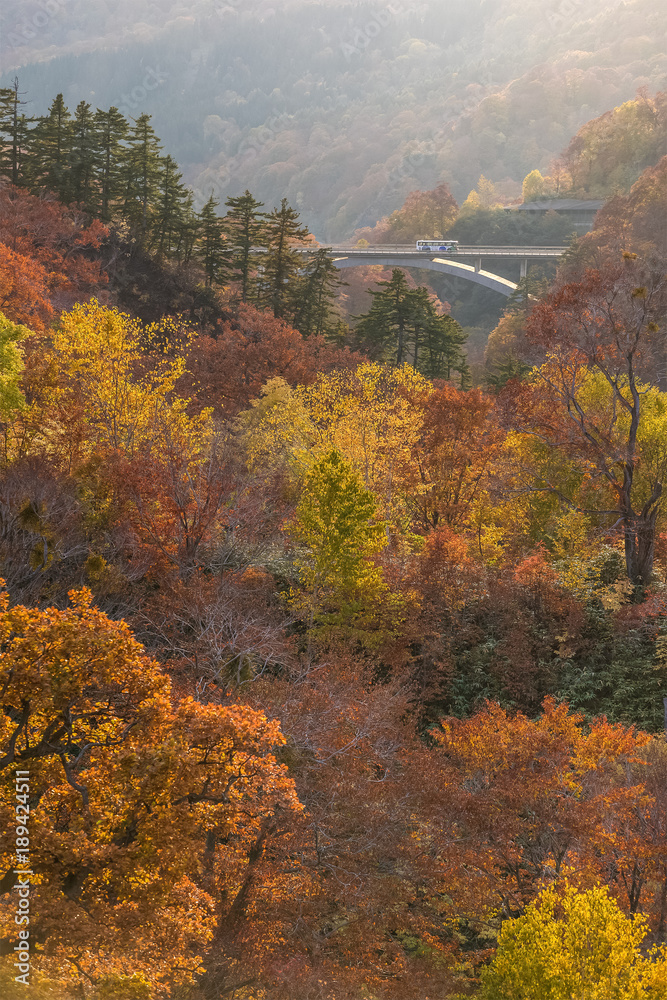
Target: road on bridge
(462, 251)
(447, 263)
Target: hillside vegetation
(333, 665)
(333, 679)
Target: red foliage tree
(520, 802)
(424, 214)
(636, 221)
(62, 243)
(228, 370)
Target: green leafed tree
(503, 370)
(142, 174)
(384, 330)
(172, 212)
(84, 157)
(212, 247)
(403, 325)
(315, 294)
(13, 132)
(436, 341)
(338, 532)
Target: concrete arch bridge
(465, 263)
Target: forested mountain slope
(400, 658)
(344, 108)
(330, 675)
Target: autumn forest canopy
(335, 652)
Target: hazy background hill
(343, 108)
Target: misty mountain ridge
(344, 108)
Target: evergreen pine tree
(315, 294)
(403, 326)
(24, 151)
(383, 330)
(188, 230)
(170, 217)
(502, 371)
(212, 248)
(111, 129)
(13, 133)
(282, 261)
(142, 175)
(244, 228)
(7, 160)
(84, 158)
(51, 142)
(422, 321)
(442, 351)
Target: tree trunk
(221, 976)
(639, 536)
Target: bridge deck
(402, 255)
(463, 251)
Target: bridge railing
(389, 248)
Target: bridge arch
(451, 267)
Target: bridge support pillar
(478, 264)
(524, 267)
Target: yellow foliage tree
(578, 488)
(276, 431)
(100, 358)
(94, 391)
(373, 417)
(507, 339)
(485, 195)
(572, 945)
(472, 203)
(11, 364)
(533, 186)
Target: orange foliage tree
(606, 324)
(364, 917)
(636, 221)
(524, 802)
(454, 457)
(147, 819)
(424, 214)
(25, 289)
